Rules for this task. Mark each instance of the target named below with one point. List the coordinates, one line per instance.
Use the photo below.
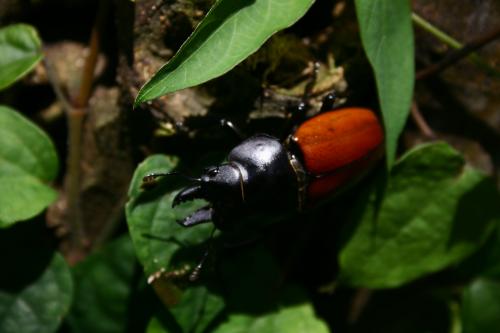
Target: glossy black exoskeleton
(257, 176)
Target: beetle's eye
(213, 172)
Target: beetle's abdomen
(337, 147)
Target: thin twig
(419, 120)
(439, 34)
(76, 116)
(359, 302)
(87, 79)
(459, 54)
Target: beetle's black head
(220, 185)
(257, 178)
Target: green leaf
(152, 220)
(39, 306)
(197, 308)
(20, 51)
(231, 31)
(387, 37)
(435, 212)
(290, 318)
(481, 306)
(28, 160)
(103, 287)
(155, 326)
(486, 261)
(249, 277)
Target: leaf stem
(358, 304)
(461, 50)
(455, 322)
(87, 80)
(76, 115)
(439, 34)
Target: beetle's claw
(202, 215)
(189, 193)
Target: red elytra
(338, 147)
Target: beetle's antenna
(229, 124)
(162, 239)
(150, 180)
(195, 274)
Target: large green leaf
(163, 246)
(39, 306)
(486, 261)
(231, 31)
(257, 298)
(28, 160)
(20, 51)
(291, 318)
(103, 287)
(387, 37)
(197, 308)
(435, 212)
(152, 220)
(481, 307)
(155, 326)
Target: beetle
(264, 176)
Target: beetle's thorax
(264, 164)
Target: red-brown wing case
(338, 146)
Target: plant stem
(442, 36)
(455, 324)
(358, 304)
(461, 50)
(459, 54)
(76, 116)
(82, 98)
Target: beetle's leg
(229, 124)
(300, 110)
(195, 274)
(202, 215)
(328, 101)
(298, 113)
